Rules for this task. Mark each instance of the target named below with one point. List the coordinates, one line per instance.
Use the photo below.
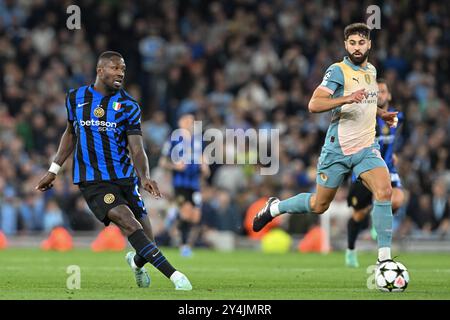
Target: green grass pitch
(34, 274)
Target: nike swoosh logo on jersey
(154, 255)
(82, 104)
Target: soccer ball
(391, 276)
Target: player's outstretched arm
(321, 100)
(140, 162)
(65, 149)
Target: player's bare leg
(320, 201)
(189, 217)
(317, 203)
(379, 183)
(398, 199)
(195, 229)
(147, 226)
(359, 215)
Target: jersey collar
(349, 62)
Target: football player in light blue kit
(359, 197)
(349, 89)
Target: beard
(357, 60)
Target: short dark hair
(357, 28)
(108, 55)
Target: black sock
(139, 261)
(185, 229)
(365, 222)
(353, 229)
(149, 251)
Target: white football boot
(140, 274)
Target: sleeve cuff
(326, 89)
(134, 132)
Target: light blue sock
(382, 220)
(297, 204)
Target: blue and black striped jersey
(101, 125)
(387, 138)
(190, 177)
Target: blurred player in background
(359, 197)
(349, 89)
(103, 121)
(187, 172)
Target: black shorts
(359, 197)
(102, 196)
(183, 195)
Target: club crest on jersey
(367, 78)
(116, 106)
(109, 198)
(323, 176)
(99, 112)
(385, 130)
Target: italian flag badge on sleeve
(116, 106)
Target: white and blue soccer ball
(392, 276)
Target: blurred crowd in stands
(236, 64)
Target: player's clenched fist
(357, 96)
(46, 182)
